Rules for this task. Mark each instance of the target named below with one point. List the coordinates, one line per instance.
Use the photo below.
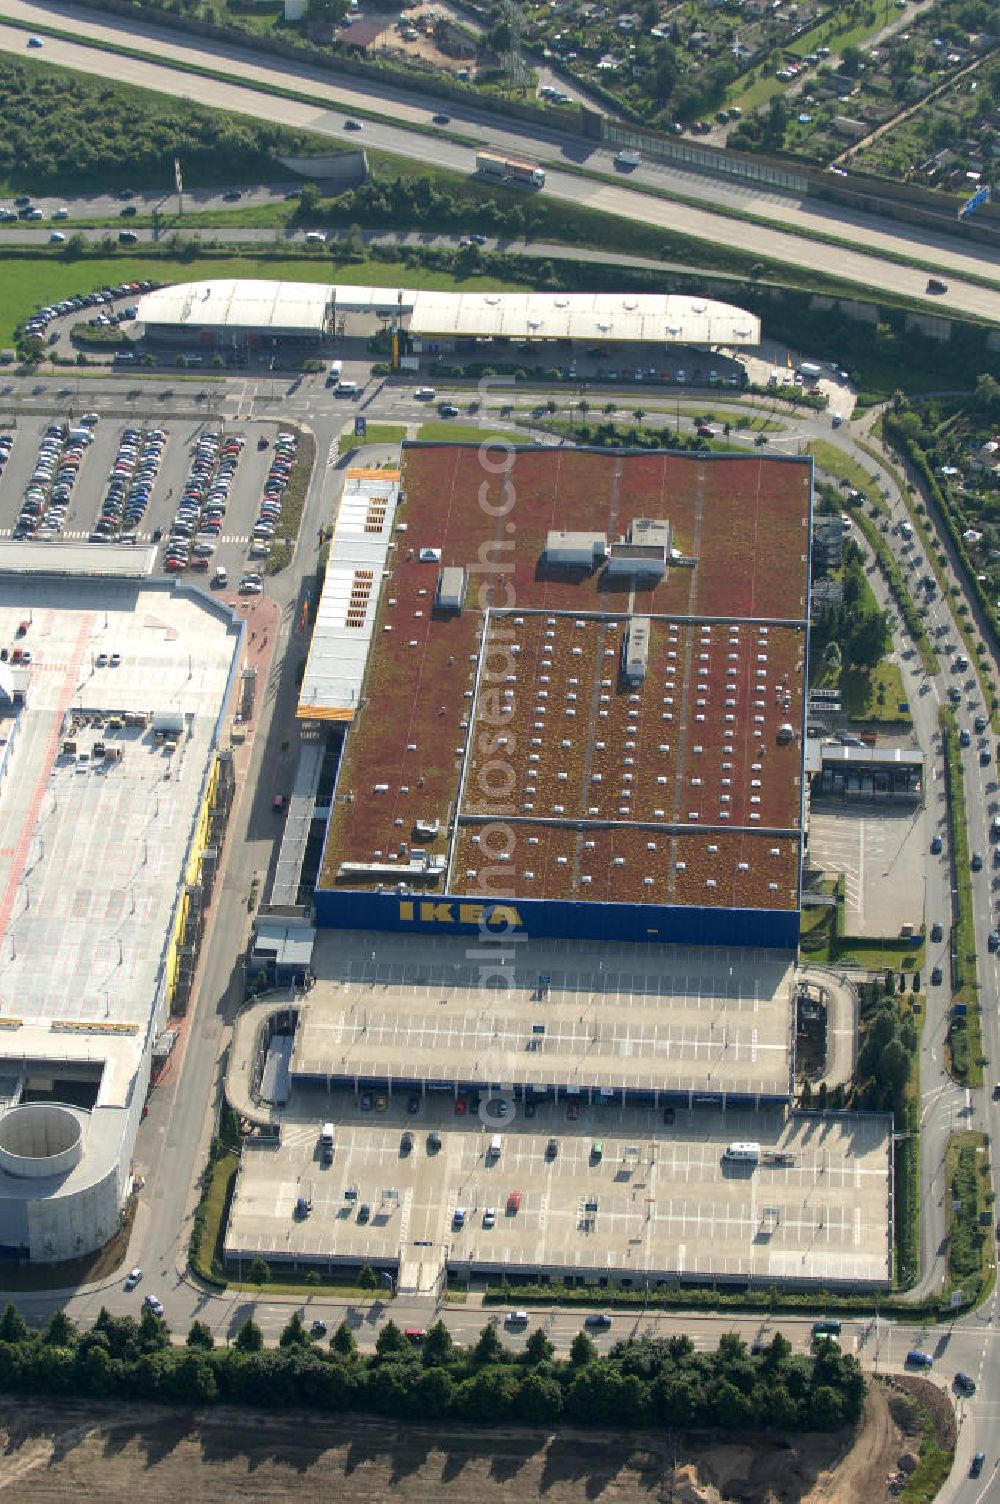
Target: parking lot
(882, 854)
(614, 1193)
(161, 465)
(587, 1018)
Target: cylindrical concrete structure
(40, 1138)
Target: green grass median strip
(901, 595)
(965, 1044)
(969, 1201)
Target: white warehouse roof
(645, 318)
(228, 303)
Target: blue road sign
(978, 199)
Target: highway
(173, 1139)
(777, 240)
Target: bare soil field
(71, 1451)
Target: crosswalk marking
(72, 535)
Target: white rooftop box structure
(576, 550)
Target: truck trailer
(499, 168)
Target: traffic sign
(978, 199)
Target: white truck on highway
(499, 168)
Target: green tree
(326, 12)
(259, 1272)
(988, 392)
(309, 200)
(538, 1399)
(60, 1331)
(500, 38)
(825, 1409)
(438, 1345)
(368, 1279)
(582, 1351)
(154, 1334)
(893, 1068)
(13, 1327)
(200, 1336)
(777, 1353)
(249, 1338)
(434, 1390)
(343, 1341)
(868, 641)
(294, 1333)
(191, 1380)
(391, 1340)
(538, 1349)
(488, 1348)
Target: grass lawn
(826, 33)
(839, 465)
(877, 957)
(971, 1241)
(965, 1044)
(377, 433)
(30, 281)
(469, 433)
(876, 696)
(207, 1248)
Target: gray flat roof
(92, 851)
(291, 942)
(658, 1200)
(899, 757)
(652, 1018)
(126, 561)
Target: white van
(336, 367)
(496, 1145)
(80, 436)
(347, 389)
(315, 237)
(743, 1153)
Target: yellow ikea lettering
(490, 915)
(436, 913)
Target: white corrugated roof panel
(646, 318)
(637, 318)
(338, 653)
(239, 303)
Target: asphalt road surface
(766, 241)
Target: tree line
(58, 128)
(640, 1382)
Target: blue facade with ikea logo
(656, 924)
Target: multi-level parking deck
(603, 1194)
(545, 1018)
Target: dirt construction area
(119, 1452)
